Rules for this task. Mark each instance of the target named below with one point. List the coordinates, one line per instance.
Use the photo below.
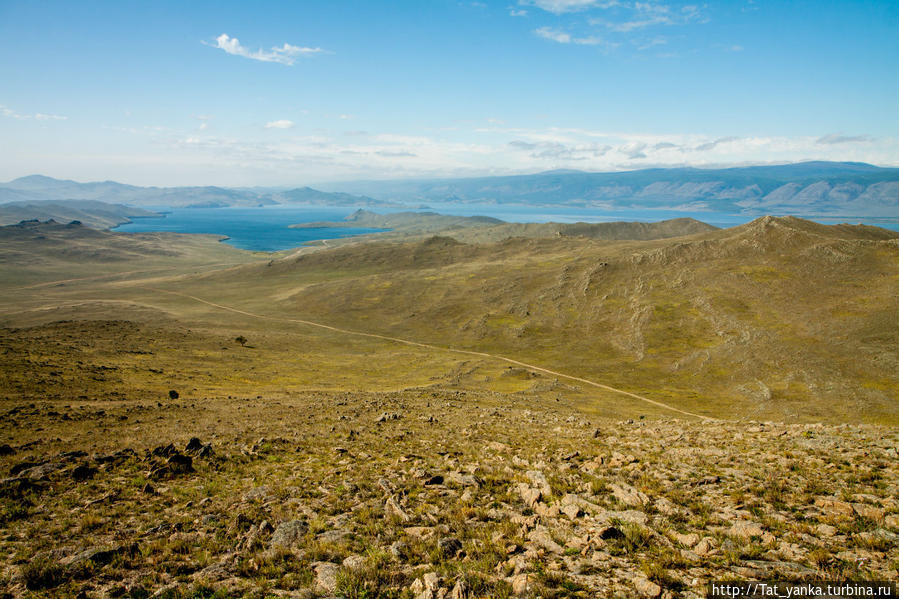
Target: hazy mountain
(810, 188)
(307, 195)
(39, 187)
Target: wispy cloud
(835, 138)
(517, 12)
(501, 149)
(39, 116)
(563, 37)
(559, 7)
(710, 145)
(652, 43)
(648, 14)
(561, 151)
(204, 121)
(611, 23)
(554, 35)
(282, 124)
(286, 54)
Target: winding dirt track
(438, 348)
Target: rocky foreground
(429, 493)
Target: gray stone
(289, 534)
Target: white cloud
(286, 54)
(835, 138)
(50, 117)
(498, 149)
(566, 38)
(10, 113)
(282, 124)
(558, 7)
(554, 35)
(647, 44)
(622, 21)
(649, 14)
(204, 121)
(514, 12)
(711, 145)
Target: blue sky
(288, 93)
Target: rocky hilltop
(432, 493)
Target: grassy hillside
(433, 417)
(780, 318)
(40, 253)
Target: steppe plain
(468, 412)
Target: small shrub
(42, 573)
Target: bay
(259, 229)
(266, 228)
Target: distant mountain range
(38, 187)
(807, 189)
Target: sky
(298, 92)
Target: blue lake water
(265, 229)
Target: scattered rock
(179, 464)
(705, 546)
(541, 537)
(539, 480)
(868, 511)
(393, 509)
(289, 534)
(646, 587)
(449, 547)
(325, 576)
(17, 487)
(354, 562)
(687, 540)
(745, 530)
(529, 495)
(628, 495)
(83, 472)
(164, 451)
(780, 568)
(571, 510)
(400, 550)
(460, 590)
(520, 584)
(97, 555)
(834, 508)
(419, 532)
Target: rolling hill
(780, 318)
(92, 213)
